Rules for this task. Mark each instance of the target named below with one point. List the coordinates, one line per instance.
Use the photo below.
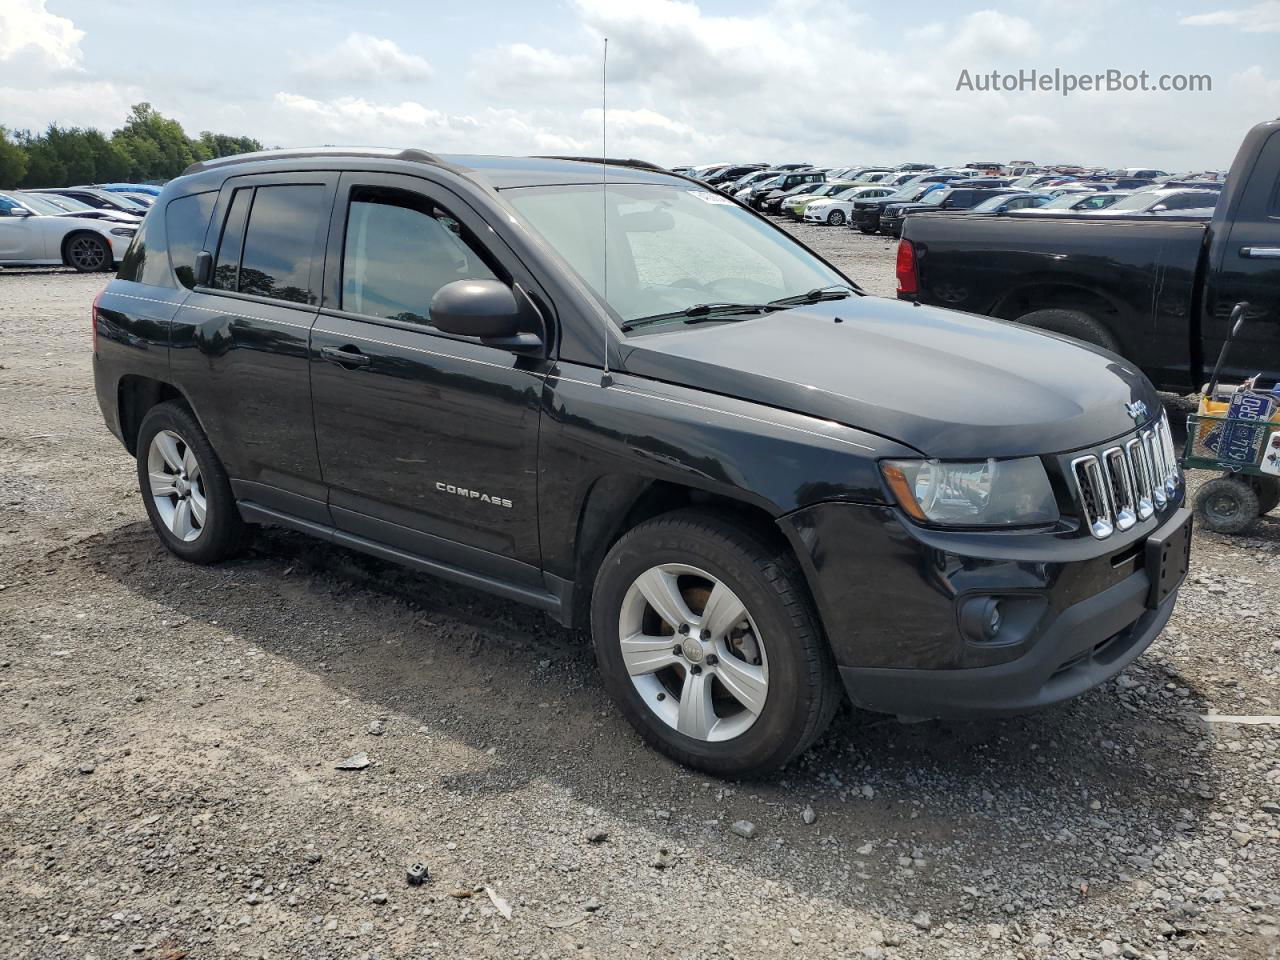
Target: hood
(951, 385)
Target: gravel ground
(168, 785)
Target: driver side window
(400, 248)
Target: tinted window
(227, 270)
(280, 240)
(401, 248)
(186, 220)
(144, 261)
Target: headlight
(123, 231)
(983, 493)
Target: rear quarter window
(186, 219)
(144, 261)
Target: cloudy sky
(789, 80)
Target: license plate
(1168, 556)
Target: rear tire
(1267, 490)
(772, 648)
(1072, 323)
(1226, 505)
(185, 489)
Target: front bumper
(892, 597)
(1087, 645)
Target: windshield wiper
(699, 311)
(837, 291)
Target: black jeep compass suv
(614, 394)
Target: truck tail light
(93, 321)
(908, 282)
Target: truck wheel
(1267, 490)
(1226, 505)
(185, 488)
(1072, 323)
(708, 642)
(836, 218)
(867, 228)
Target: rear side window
(268, 241)
(186, 220)
(280, 241)
(401, 248)
(226, 271)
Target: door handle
(348, 356)
(1260, 253)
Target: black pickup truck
(1156, 290)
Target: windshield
(992, 203)
(40, 205)
(669, 247)
(1136, 201)
(934, 197)
(65, 203)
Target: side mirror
(202, 270)
(15, 212)
(486, 309)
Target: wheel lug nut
(678, 650)
(706, 634)
(712, 659)
(684, 628)
(696, 669)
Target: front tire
(836, 218)
(867, 228)
(185, 488)
(1226, 505)
(708, 642)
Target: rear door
(240, 343)
(1249, 271)
(428, 441)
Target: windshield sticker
(706, 196)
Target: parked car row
(877, 199)
(88, 228)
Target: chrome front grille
(1128, 482)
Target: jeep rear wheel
(185, 488)
(708, 641)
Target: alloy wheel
(177, 485)
(87, 253)
(693, 652)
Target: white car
(30, 238)
(835, 211)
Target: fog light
(981, 619)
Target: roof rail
(311, 153)
(612, 161)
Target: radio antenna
(605, 379)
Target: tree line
(149, 147)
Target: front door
(1249, 271)
(428, 442)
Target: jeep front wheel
(708, 641)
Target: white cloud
(363, 59)
(28, 30)
(989, 34)
(1260, 18)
